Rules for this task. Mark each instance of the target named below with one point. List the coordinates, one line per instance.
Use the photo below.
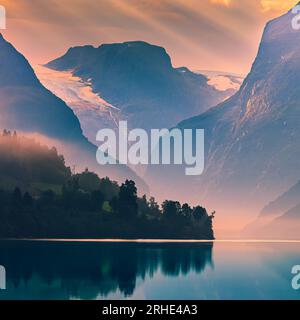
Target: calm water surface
(96, 270)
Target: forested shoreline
(41, 198)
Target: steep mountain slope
(139, 79)
(252, 139)
(282, 209)
(92, 111)
(286, 201)
(27, 106)
(286, 226)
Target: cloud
(222, 2)
(207, 34)
(277, 5)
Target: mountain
(283, 203)
(27, 106)
(92, 111)
(277, 215)
(285, 226)
(138, 79)
(252, 139)
(223, 81)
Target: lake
(121, 270)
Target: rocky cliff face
(252, 139)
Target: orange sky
(200, 34)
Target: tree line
(49, 201)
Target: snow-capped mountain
(92, 111)
(138, 78)
(223, 81)
(28, 107)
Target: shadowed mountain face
(27, 106)
(280, 217)
(139, 79)
(252, 139)
(285, 226)
(286, 201)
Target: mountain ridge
(140, 80)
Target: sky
(218, 35)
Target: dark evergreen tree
(127, 203)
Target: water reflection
(49, 270)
